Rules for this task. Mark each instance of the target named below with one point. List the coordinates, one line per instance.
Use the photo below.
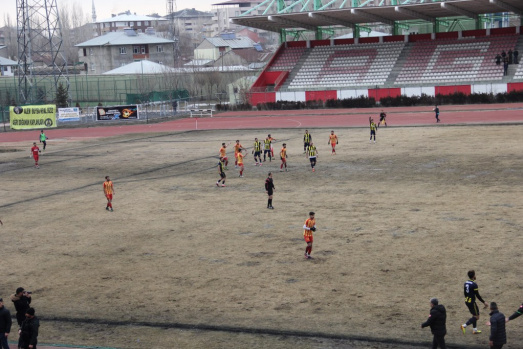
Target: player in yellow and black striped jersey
(471, 292)
(307, 139)
(267, 148)
(373, 129)
(312, 154)
(257, 150)
(221, 171)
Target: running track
(330, 118)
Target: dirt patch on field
(398, 221)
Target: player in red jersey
(333, 140)
(34, 152)
(309, 227)
(109, 192)
(283, 157)
(223, 155)
(272, 140)
(239, 159)
(237, 149)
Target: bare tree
(10, 38)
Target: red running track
(329, 118)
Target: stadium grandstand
(443, 59)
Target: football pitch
(182, 263)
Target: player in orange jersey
(239, 159)
(333, 140)
(237, 149)
(109, 192)
(272, 140)
(309, 227)
(34, 153)
(283, 157)
(223, 155)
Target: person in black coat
(516, 54)
(437, 322)
(5, 325)
(29, 331)
(498, 335)
(21, 300)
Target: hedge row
(399, 101)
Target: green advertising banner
(32, 117)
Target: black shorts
(473, 308)
(265, 151)
(312, 159)
(270, 192)
(372, 132)
(257, 153)
(306, 144)
(222, 174)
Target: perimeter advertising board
(119, 112)
(31, 117)
(68, 114)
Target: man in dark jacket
(498, 335)
(437, 322)
(5, 325)
(29, 331)
(21, 300)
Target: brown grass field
(181, 263)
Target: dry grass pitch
(398, 222)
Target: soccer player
(223, 155)
(109, 192)
(471, 292)
(269, 189)
(511, 317)
(43, 138)
(257, 152)
(372, 129)
(283, 157)
(309, 227)
(383, 119)
(312, 154)
(333, 140)
(307, 138)
(239, 159)
(237, 149)
(267, 148)
(221, 171)
(34, 152)
(272, 140)
(436, 110)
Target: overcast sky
(104, 8)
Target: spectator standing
(498, 59)
(505, 66)
(498, 334)
(175, 107)
(510, 56)
(516, 54)
(437, 322)
(436, 111)
(29, 331)
(21, 300)
(503, 54)
(5, 325)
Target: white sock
(464, 325)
